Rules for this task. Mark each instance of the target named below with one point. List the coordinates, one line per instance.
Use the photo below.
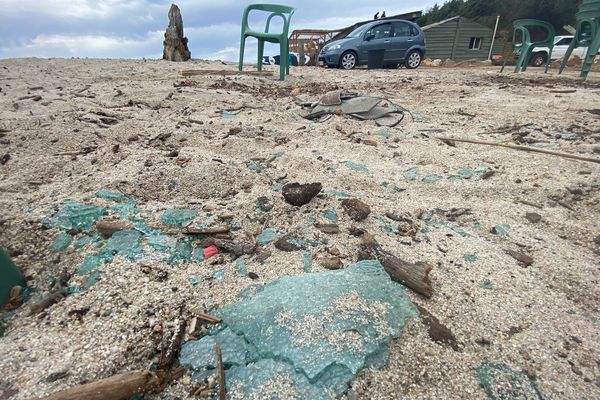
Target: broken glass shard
(240, 263)
(126, 244)
(470, 257)
(108, 195)
(178, 216)
(307, 261)
(75, 215)
(331, 215)
(357, 167)
(181, 253)
(500, 382)
(161, 242)
(432, 178)
(412, 173)
(317, 330)
(62, 241)
(267, 236)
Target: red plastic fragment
(211, 251)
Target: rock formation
(175, 43)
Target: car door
(401, 40)
(377, 37)
(560, 48)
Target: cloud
(134, 28)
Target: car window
(380, 31)
(564, 42)
(402, 29)
(357, 32)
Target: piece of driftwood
(107, 227)
(171, 346)
(208, 318)
(437, 331)
(522, 148)
(46, 302)
(118, 387)
(191, 230)
(223, 72)
(222, 390)
(414, 276)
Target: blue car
(402, 42)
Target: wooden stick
(208, 230)
(414, 276)
(522, 148)
(209, 318)
(222, 390)
(117, 387)
(192, 72)
(437, 331)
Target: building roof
(439, 23)
(410, 16)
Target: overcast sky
(135, 28)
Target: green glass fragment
(412, 173)
(253, 166)
(487, 284)
(194, 280)
(337, 193)
(384, 134)
(126, 244)
(500, 382)
(432, 178)
(316, 330)
(128, 211)
(399, 189)
(92, 262)
(357, 167)
(62, 241)
(470, 257)
(501, 230)
(198, 254)
(178, 216)
(465, 173)
(181, 253)
(219, 274)
(480, 170)
(307, 261)
(108, 195)
(240, 263)
(161, 242)
(277, 186)
(330, 215)
(228, 115)
(267, 236)
(75, 215)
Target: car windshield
(357, 32)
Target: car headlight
(335, 47)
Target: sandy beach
(216, 144)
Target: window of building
(475, 43)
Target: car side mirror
(368, 38)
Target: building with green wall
(460, 39)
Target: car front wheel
(413, 60)
(538, 60)
(348, 60)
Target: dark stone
(284, 244)
(298, 195)
(522, 258)
(356, 209)
(597, 240)
(534, 218)
(4, 159)
(175, 44)
(252, 275)
(328, 228)
(56, 376)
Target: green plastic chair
(587, 34)
(276, 10)
(10, 276)
(526, 45)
